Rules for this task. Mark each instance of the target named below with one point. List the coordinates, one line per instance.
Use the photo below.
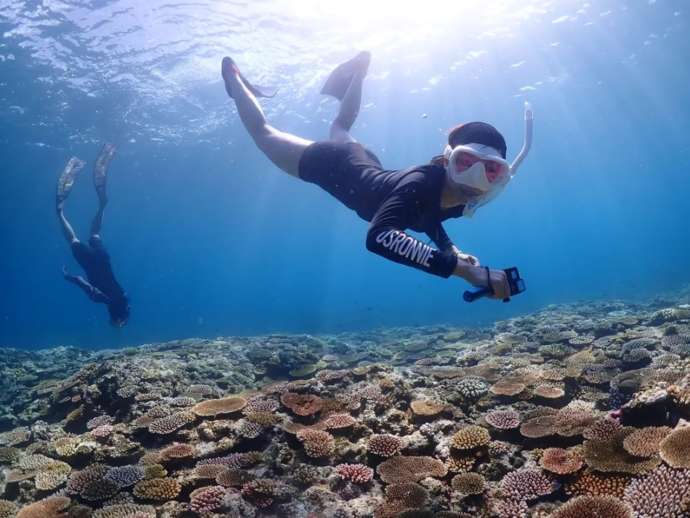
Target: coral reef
(575, 410)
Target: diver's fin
(341, 77)
(66, 180)
(101, 169)
(227, 68)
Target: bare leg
(99, 180)
(281, 148)
(349, 109)
(64, 187)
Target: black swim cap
(477, 133)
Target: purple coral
(357, 473)
(527, 484)
(503, 419)
(664, 492)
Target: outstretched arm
(91, 291)
(386, 236)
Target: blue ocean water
(209, 238)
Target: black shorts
(338, 168)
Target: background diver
(100, 284)
(472, 171)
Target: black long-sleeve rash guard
(414, 203)
(392, 200)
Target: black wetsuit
(392, 200)
(95, 261)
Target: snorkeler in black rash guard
(472, 170)
(100, 284)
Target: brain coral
(610, 456)
(171, 423)
(526, 484)
(53, 507)
(603, 506)
(302, 404)
(207, 499)
(645, 441)
(664, 493)
(215, 407)
(560, 461)
(503, 419)
(598, 484)
(468, 483)
(384, 445)
(317, 443)
(410, 469)
(470, 437)
(675, 448)
(357, 473)
(159, 489)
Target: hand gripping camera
(516, 283)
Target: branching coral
(171, 423)
(503, 419)
(527, 484)
(604, 506)
(207, 499)
(159, 489)
(317, 443)
(468, 483)
(357, 473)
(664, 493)
(645, 442)
(598, 484)
(609, 456)
(470, 437)
(384, 445)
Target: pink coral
(527, 484)
(503, 419)
(384, 445)
(207, 499)
(357, 473)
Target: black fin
(255, 90)
(339, 80)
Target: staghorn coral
(207, 499)
(468, 483)
(384, 445)
(526, 484)
(52, 507)
(158, 489)
(357, 473)
(470, 438)
(560, 461)
(216, 407)
(302, 404)
(598, 484)
(599, 506)
(675, 448)
(172, 423)
(663, 493)
(317, 443)
(645, 442)
(503, 419)
(410, 469)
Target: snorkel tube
(472, 206)
(527, 143)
